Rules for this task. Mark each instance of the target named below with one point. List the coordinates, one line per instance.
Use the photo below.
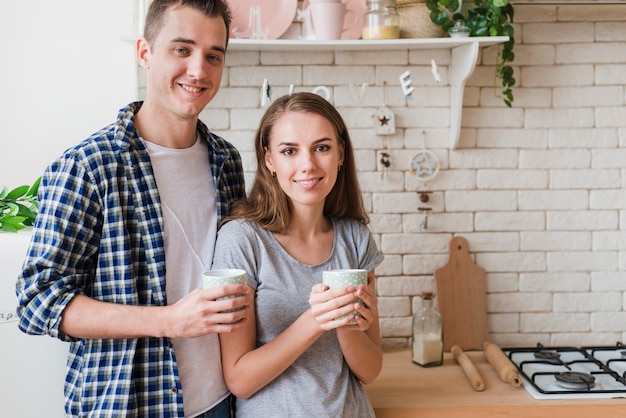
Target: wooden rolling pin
(501, 364)
(468, 367)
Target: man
(126, 227)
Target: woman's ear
(342, 153)
(268, 161)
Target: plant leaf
(32, 191)
(17, 193)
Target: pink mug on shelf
(329, 18)
(329, 1)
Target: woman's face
(306, 155)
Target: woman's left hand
(367, 308)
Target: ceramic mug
(345, 277)
(328, 20)
(330, 1)
(222, 277)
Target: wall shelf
(464, 54)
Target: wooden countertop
(405, 390)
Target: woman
(304, 215)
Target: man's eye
(181, 51)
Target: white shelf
(359, 44)
(464, 53)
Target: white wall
(32, 368)
(64, 73)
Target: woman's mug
(329, 18)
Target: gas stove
(571, 372)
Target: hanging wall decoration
(425, 166)
(384, 125)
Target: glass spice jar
(427, 334)
(381, 20)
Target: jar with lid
(381, 20)
(427, 334)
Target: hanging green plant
(483, 18)
(18, 207)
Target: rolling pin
(468, 367)
(501, 364)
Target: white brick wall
(538, 190)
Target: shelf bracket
(464, 59)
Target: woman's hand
(367, 309)
(328, 306)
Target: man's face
(184, 63)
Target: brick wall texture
(538, 190)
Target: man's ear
(142, 51)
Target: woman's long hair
(267, 203)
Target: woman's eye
(287, 151)
(322, 148)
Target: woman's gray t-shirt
(319, 383)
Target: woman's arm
(361, 343)
(248, 369)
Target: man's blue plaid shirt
(99, 233)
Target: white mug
(345, 277)
(328, 20)
(222, 277)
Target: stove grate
(543, 368)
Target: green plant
(18, 207)
(483, 18)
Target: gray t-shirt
(319, 383)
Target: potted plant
(483, 18)
(18, 207)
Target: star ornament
(425, 165)
(384, 121)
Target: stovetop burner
(571, 372)
(549, 356)
(575, 380)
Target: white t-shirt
(188, 197)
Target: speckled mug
(222, 277)
(345, 277)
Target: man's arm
(195, 315)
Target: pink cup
(328, 19)
(329, 1)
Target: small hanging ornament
(425, 165)
(384, 121)
(384, 163)
(384, 118)
(383, 159)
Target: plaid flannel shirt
(99, 233)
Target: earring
(273, 174)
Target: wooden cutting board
(461, 299)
